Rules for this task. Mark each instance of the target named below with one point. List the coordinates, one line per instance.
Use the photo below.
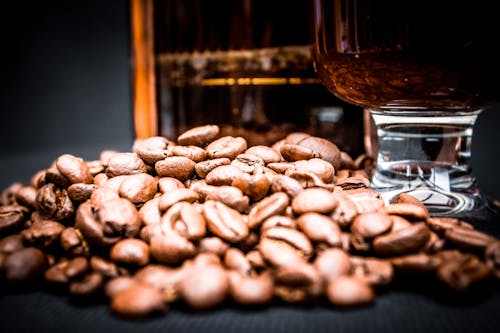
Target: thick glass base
(427, 154)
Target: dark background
(66, 88)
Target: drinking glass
(424, 70)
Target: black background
(66, 88)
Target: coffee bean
(274, 204)
(125, 164)
(167, 184)
(169, 199)
(320, 228)
(317, 200)
(138, 188)
(369, 225)
(11, 243)
(80, 192)
(54, 203)
(26, 196)
(254, 186)
(138, 301)
(12, 217)
(349, 291)
(225, 222)
(251, 290)
(43, 234)
(153, 149)
(179, 167)
(24, 266)
(205, 288)
(74, 169)
(403, 241)
(333, 263)
(267, 154)
(194, 153)
(230, 196)
(184, 219)
(223, 175)
(130, 251)
(226, 146)
(199, 136)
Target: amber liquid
(412, 55)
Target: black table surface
(420, 305)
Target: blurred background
(66, 88)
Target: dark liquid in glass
(412, 55)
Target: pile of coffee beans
(208, 220)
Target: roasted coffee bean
(130, 251)
(463, 272)
(138, 301)
(415, 264)
(267, 154)
(76, 267)
(153, 149)
(150, 213)
(89, 285)
(441, 224)
(369, 225)
(324, 148)
(213, 245)
(411, 211)
(164, 279)
(72, 242)
(345, 211)
(179, 167)
(184, 219)
(294, 152)
(320, 228)
(230, 196)
(169, 199)
(251, 290)
(290, 186)
(280, 167)
(8, 195)
(234, 259)
(117, 285)
(349, 291)
(24, 266)
(248, 163)
(376, 272)
(204, 167)
(226, 146)
(138, 188)
(205, 288)
(492, 257)
(275, 204)
(292, 238)
(12, 217)
(194, 153)
(279, 221)
(125, 164)
(332, 263)
(317, 166)
(302, 274)
(74, 169)
(80, 192)
(225, 222)
(466, 238)
(171, 248)
(308, 179)
(43, 234)
(105, 226)
(355, 182)
(106, 268)
(54, 203)
(26, 196)
(317, 200)
(199, 136)
(11, 243)
(167, 184)
(95, 167)
(403, 241)
(254, 186)
(53, 176)
(223, 175)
